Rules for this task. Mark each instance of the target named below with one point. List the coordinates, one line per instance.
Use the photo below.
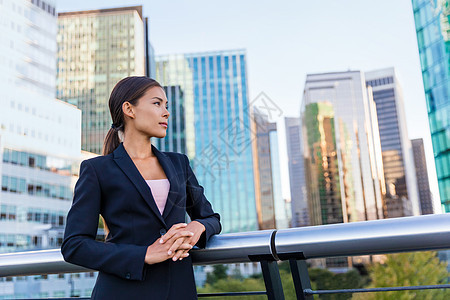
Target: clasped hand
(176, 243)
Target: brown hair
(129, 89)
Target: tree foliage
(408, 269)
(219, 272)
(322, 279)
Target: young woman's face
(151, 113)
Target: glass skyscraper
(299, 195)
(283, 214)
(96, 49)
(175, 139)
(262, 159)
(342, 163)
(426, 198)
(271, 207)
(321, 165)
(216, 127)
(433, 38)
(398, 161)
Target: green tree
(408, 269)
(219, 272)
(322, 279)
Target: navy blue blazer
(112, 186)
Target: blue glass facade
(175, 139)
(218, 133)
(433, 38)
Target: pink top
(160, 191)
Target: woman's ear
(128, 110)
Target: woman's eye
(156, 103)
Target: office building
(321, 166)
(398, 161)
(39, 135)
(175, 74)
(96, 49)
(299, 196)
(426, 199)
(214, 130)
(175, 140)
(263, 170)
(432, 26)
(342, 163)
(283, 213)
(271, 207)
(39, 146)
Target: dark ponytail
(129, 89)
(112, 140)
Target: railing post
(300, 276)
(272, 280)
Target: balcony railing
(431, 232)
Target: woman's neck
(138, 148)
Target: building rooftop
(102, 11)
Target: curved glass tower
(433, 38)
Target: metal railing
(430, 232)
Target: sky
(285, 40)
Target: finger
(185, 247)
(179, 244)
(175, 246)
(172, 231)
(180, 254)
(180, 234)
(190, 240)
(184, 255)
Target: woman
(143, 196)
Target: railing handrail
(430, 232)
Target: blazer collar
(127, 165)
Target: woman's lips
(163, 124)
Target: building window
(2, 214)
(31, 161)
(5, 180)
(6, 155)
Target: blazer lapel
(171, 174)
(127, 165)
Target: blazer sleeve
(199, 208)
(80, 247)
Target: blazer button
(128, 276)
(163, 231)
